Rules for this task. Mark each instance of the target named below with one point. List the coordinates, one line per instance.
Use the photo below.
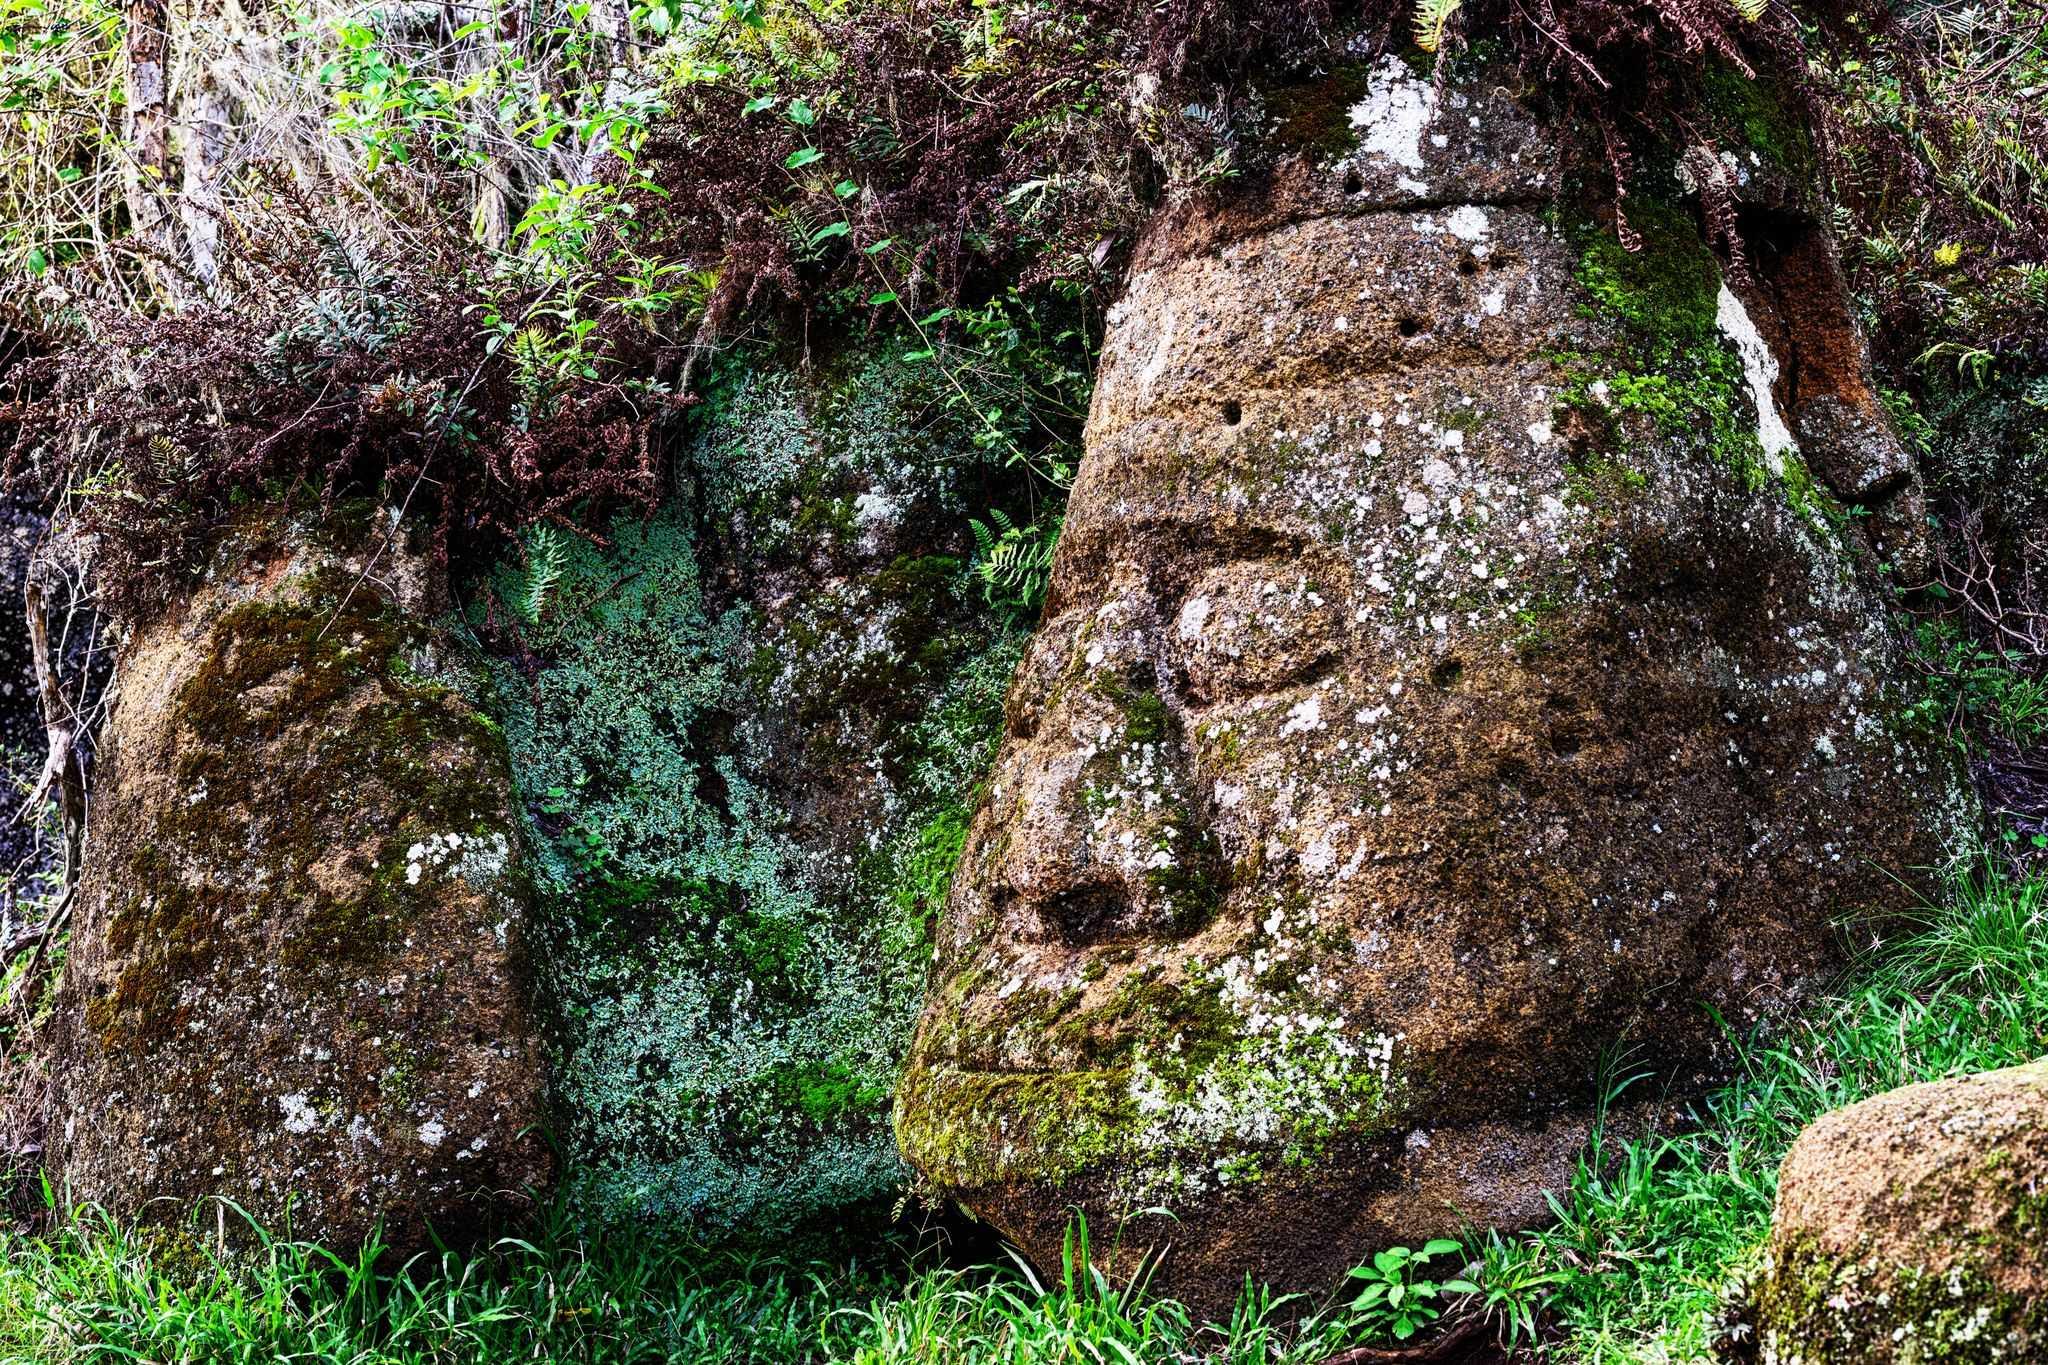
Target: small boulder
(295, 975)
(1910, 1227)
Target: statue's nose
(1108, 844)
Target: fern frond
(1014, 563)
(1752, 10)
(1431, 18)
(547, 555)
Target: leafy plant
(1395, 1300)
(1968, 683)
(547, 554)
(1431, 17)
(1514, 1288)
(1013, 562)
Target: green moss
(1172, 1091)
(1314, 116)
(735, 971)
(321, 667)
(974, 1129)
(1752, 111)
(1666, 289)
(827, 1092)
(1812, 1307)
(1676, 377)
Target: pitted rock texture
(1911, 1227)
(295, 979)
(1414, 721)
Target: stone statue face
(1421, 715)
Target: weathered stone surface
(749, 731)
(1911, 1227)
(296, 980)
(1449, 677)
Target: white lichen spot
(1760, 367)
(1468, 223)
(431, 1132)
(1392, 117)
(299, 1114)
(1303, 717)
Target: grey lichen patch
(1798, 1304)
(749, 757)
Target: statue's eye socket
(1255, 627)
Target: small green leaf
(846, 189)
(883, 296)
(831, 230)
(803, 156)
(800, 114)
(758, 103)
(1439, 1246)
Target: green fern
(1752, 10)
(547, 554)
(1014, 563)
(1431, 18)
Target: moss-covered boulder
(1455, 669)
(748, 731)
(295, 980)
(1910, 1228)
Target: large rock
(295, 979)
(1449, 677)
(749, 731)
(1911, 1227)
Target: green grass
(1647, 1233)
(93, 1291)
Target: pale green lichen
(1230, 1076)
(734, 989)
(1799, 1304)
